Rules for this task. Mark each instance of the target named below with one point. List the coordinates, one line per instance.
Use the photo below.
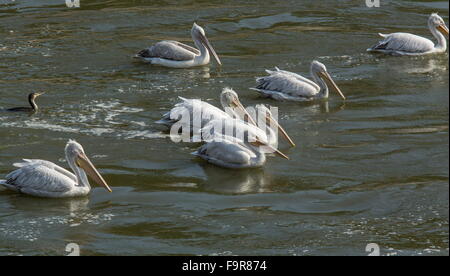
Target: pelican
(242, 131)
(412, 45)
(174, 54)
(45, 179)
(246, 147)
(287, 86)
(229, 100)
(33, 108)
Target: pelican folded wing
(170, 50)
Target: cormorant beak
(84, 163)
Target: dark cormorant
(33, 108)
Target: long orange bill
(84, 163)
(277, 152)
(331, 82)
(208, 45)
(273, 122)
(240, 106)
(443, 29)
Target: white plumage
(234, 144)
(229, 153)
(205, 112)
(263, 117)
(238, 129)
(410, 44)
(45, 179)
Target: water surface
(371, 169)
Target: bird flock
(234, 137)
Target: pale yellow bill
(210, 48)
(279, 153)
(240, 106)
(88, 167)
(443, 29)
(271, 121)
(333, 84)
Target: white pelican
(174, 54)
(242, 131)
(287, 86)
(412, 45)
(244, 146)
(45, 179)
(229, 100)
(33, 106)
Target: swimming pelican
(242, 131)
(33, 108)
(45, 179)
(245, 146)
(287, 86)
(174, 54)
(413, 45)
(229, 100)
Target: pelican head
(229, 98)
(198, 34)
(320, 70)
(75, 156)
(435, 21)
(231, 103)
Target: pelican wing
(287, 83)
(403, 42)
(171, 50)
(225, 153)
(296, 76)
(48, 164)
(40, 178)
(233, 129)
(185, 46)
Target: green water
(372, 169)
